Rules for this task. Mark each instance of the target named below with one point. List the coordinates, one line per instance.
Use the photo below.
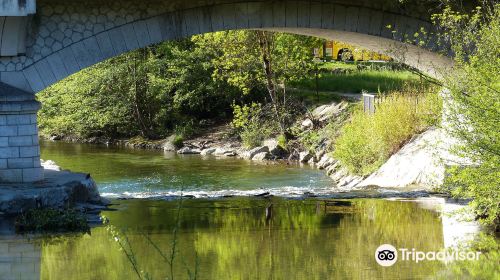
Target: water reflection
(248, 238)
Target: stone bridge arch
(64, 37)
(45, 41)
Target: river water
(287, 236)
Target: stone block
(93, 49)
(45, 71)
(117, 40)
(3, 120)
(18, 119)
(279, 14)
(3, 164)
(35, 140)
(9, 152)
(291, 14)
(316, 15)
(217, 18)
(32, 174)
(82, 55)
(57, 66)
(37, 162)
(15, 163)
(33, 151)
(4, 141)
(229, 17)
(304, 14)
(351, 19)
(339, 17)
(241, 15)
(376, 23)
(15, 79)
(254, 11)
(191, 22)
(130, 38)
(142, 33)
(11, 175)
(105, 45)
(327, 12)
(8, 130)
(34, 79)
(69, 60)
(18, 141)
(154, 30)
(27, 129)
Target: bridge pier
(19, 147)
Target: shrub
(253, 124)
(51, 220)
(367, 141)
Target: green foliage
(252, 124)
(487, 265)
(51, 220)
(146, 92)
(367, 141)
(474, 112)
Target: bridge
(45, 41)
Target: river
(220, 230)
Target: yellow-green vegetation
(368, 140)
(474, 112)
(487, 267)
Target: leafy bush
(474, 113)
(253, 124)
(367, 141)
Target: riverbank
(418, 165)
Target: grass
(367, 141)
(359, 81)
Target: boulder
(305, 156)
(168, 144)
(188, 151)
(251, 153)
(307, 124)
(261, 156)
(49, 165)
(326, 112)
(208, 152)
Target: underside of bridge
(45, 42)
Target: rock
(312, 161)
(261, 156)
(55, 138)
(230, 154)
(49, 165)
(188, 151)
(168, 144)
(307, 124)
(208, 152)
(250, 154)
(421, 162)
(326, 112)
(325, 161)
(60, 189)
(305, 156)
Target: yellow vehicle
(333, 50)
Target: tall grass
(367, 141)
(358, 81)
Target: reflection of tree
(301, 240)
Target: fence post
(369, 103)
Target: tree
(474, 113)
